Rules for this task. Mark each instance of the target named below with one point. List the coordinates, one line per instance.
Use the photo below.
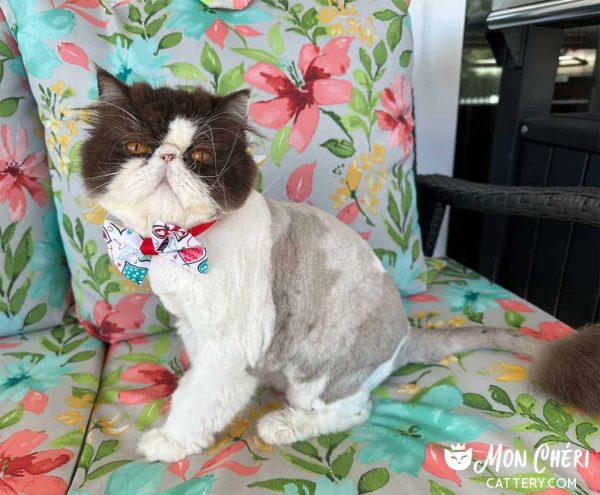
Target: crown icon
(458, 447)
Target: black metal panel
(579, 296)
(522, 233)
(555, 265)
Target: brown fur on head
(167, 154)
(570, 370)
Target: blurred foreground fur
(570, 370)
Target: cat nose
(167, 157)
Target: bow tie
(131, 253)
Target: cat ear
(110, 89)
(237, 104)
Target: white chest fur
(230, 310)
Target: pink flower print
(300, 101)
(160, 383)
(20, 171)
(111, 324)
(24, 471)
(549, 331)
(35, 402)
(516, 306)
(397, 100)
(591, 472)
(300, 182)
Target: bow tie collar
(131, 253)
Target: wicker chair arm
(435, 192)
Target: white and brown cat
(281, 302)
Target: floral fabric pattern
(331, 93)
(48, 383)
(31, 251)
(481, 399)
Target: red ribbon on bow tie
(147, 246)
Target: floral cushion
(33, 270)
(332, 94)
(480, 399)
(48, 383)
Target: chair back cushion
(33, 268)
(331, 93)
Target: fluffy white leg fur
(205, 402)
(307, 416)
(289, 425)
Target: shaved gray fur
(338, 314)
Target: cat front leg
(206, 401)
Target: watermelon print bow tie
(131, 253)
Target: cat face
(166, 154)
(458, 460)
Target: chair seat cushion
(48, 385)
(479, 398)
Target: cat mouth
(164, 183)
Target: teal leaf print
(49, 261)
(144, 479)
(138, 61)
(34, 29)
(196, 486)
(41, 376)
(195, 18)
(398, 432)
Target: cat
(291, 297)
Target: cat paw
(156, 445)
(277, 427)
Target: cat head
(167, 154)
(459, 457)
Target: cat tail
(568, 368)
(429, 346)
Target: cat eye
(201, 156)
(137, 148)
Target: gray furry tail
(429, 346)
